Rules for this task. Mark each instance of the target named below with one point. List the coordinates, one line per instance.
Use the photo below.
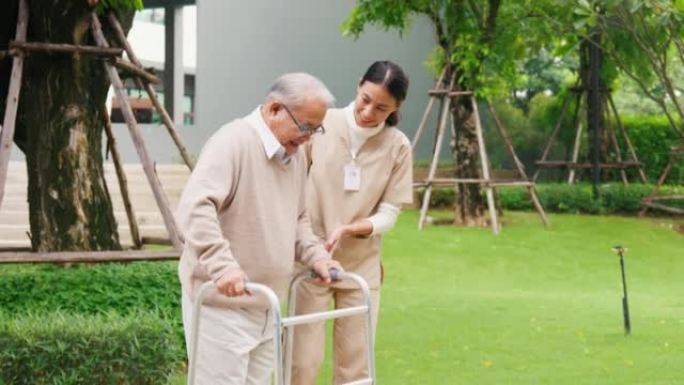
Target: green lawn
(533, 305)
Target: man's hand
(322, 268)
(232, 283)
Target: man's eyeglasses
(305, 128)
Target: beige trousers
(235, 345)
(349, 335)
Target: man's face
(285, 122)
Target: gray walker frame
(284, 326)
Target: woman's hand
(334, 239)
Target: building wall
(244, 45)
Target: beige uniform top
(386, 176)
(242, 208)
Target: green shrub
(54, 348)
(618, 198)
(653, 138)
(514, 199)
(615, 198)
(125, 289)
(83, 289)
(563, 198)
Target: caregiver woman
(360, 174)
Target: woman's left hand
(334, 239)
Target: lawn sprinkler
(619, 250)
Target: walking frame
(284, 326)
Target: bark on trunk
(469, 207)
(59, 129)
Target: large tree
(640, 39)
(482, 43)
(60, 123)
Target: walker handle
(335, 274)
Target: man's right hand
(232, 283)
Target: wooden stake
(554, 134)
(121, 176)
(576, 147)
(507, 141)
(435, 156)
(136, 71)
(9, 124)
(138, 140)
(423, 120)
(51, 48)
(166, 119)
(520, 166)
(449, 93)
(484, 161)
(642, 174)
(616, 145)
(574, 165)
(668, 209)
(648, 202)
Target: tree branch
(477, 11)
(490, 24)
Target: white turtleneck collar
(359, 135)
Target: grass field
(531, 306)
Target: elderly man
(243, 217)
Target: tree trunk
(591, 61)
(469, 206)
(59, 129)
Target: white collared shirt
(272, 146)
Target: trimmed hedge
(653, 138)
(563, 198)
(83, 289)
(55, 348)
(124, 313)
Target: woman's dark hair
(393, 78)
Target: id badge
(352, 177)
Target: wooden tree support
(445, 96)
(574, 164)
(171, 128)
(444, 116)
(121, 176)
(454, 181)
(51, 48)
(9, 124)
(662, 207)
(136, 71)
(649, 202)
(148, 166)
(519, 166)
(89, 256)
(426, 114)
(21, 48)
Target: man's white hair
(295, 88)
